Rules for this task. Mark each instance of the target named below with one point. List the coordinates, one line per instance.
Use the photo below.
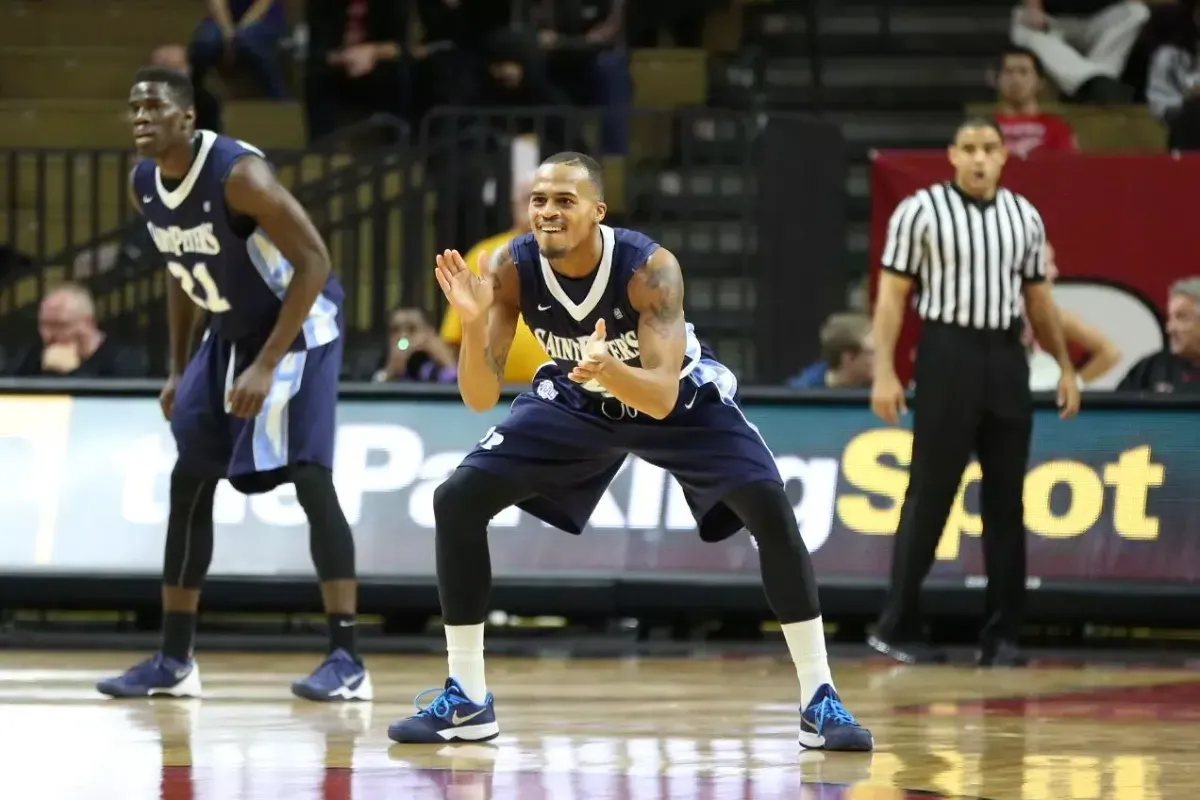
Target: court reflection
(670, 730)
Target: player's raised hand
(595, 356)
(469, 294)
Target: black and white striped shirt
(969, 258)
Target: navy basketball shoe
(826, 725)
(451, 717)
(156, 676)
(339, 678)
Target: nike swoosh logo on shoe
(455, 719)
(348, 685)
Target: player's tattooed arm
(502, 321)
(253, 190)
(656, 293)
(485, 344)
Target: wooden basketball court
(634, 729)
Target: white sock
(806, 643)
(464, 649)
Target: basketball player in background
(256, 403)
(628, 376)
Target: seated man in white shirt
(1083, 44)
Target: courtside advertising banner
(1109, 496)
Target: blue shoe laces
(831, 710)
(442, 705)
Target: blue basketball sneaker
(339, 678)
(156, 676)
(451, 717)
(826, 725)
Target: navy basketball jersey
(225, 263)
(562, 312)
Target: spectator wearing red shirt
(1026, 129)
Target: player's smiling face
(157, 120)
(563, 208)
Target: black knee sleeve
(330, 540)
(189, 547)
(462, 508)
(787, 570)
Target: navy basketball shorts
(566, 454)
(297, 423)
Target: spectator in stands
(241, 33)
(1173, 85)
(353, 69)
(847, 356)
(414, 351)
(1177, 368)
(584, 41)
(1099, 353)
(526, 354)
(446, 62)
(683, 20)
(516, 78)
(1026, 129)
(71, 344)
(1083, 44)
(208, 107)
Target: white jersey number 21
(209, 297)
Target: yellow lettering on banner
(43, 422)
(875, 463)
(960, 521)
(1131, 477)
(863, 469)
(1085, 505)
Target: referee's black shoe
(1000, 653)
(908, 652)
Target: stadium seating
(65, 68)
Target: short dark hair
(572, 159)
(179, 84)
(1025, 52)
(977, 122)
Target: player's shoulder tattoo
(501, 265)
(657, 288)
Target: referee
(971, 251)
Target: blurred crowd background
(752, 137)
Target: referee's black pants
(972, 397)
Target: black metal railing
(67, 217)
